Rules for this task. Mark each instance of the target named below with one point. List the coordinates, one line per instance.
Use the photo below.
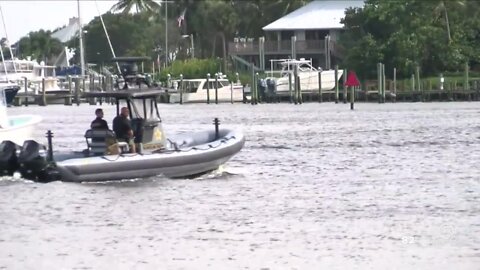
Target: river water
(317, 186)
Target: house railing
(251, 46)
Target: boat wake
(14, 179)
(221, 173)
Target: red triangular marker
(352, 79)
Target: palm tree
(441, 9)
(125, 6)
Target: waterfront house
(309, 32)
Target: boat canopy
(141, 103)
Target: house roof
(68, 32)
(319, 14)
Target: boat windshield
(288, 67)
(220, 84)
(145, 108)
(191, 86)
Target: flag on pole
(181, 18)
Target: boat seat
(99, 142)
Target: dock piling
(25, 80)
(208, 88)
(43, 99)
(345, 88)
(216, 88)
(180, 88)
(68, 98)
(336, 84)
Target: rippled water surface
(317, 186)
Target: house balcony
(243, 47)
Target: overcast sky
(24, 16)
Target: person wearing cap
(123, 128)
(99, 123)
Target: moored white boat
(16, 70)
(199, 91)
(16, 128)
(307, 74)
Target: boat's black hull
(10, 93)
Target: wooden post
(383, 83)
(256, 88)
(43, 99)
(231, 92)
(103, 86)
(261, 48)
(77, 90)
(320, 94)
(394, 84)
(299, 88)
(26, 90)
(295, 84)
(208, 88)
(413, 83)
(352, 97)
(345, 88)
(336, 83)
(290, 86)
(180, 88)
(243, 93)
(293, 40)
(68, 98)
(419, 85)
(466, 86)
(92, 101)
(379, 81)
(216, 88)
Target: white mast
(108, 37)
(80, 35)
(166, 34)
(8, 41)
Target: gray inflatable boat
(106, 159)
(188, 155)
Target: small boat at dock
(203, 90)
(307, 74)
(15, 128)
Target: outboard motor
(33, 161)
(8, 158)
(262, 88)
(272, 86)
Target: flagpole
(166, 34)
(82, 60)
(8, 42)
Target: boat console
(145, 117)
(131, 78)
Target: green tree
(408, 34)
(40, 46)
(442, 10)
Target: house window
(315, 34)
(287, 35)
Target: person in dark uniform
(123, 129)
(99, 123)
